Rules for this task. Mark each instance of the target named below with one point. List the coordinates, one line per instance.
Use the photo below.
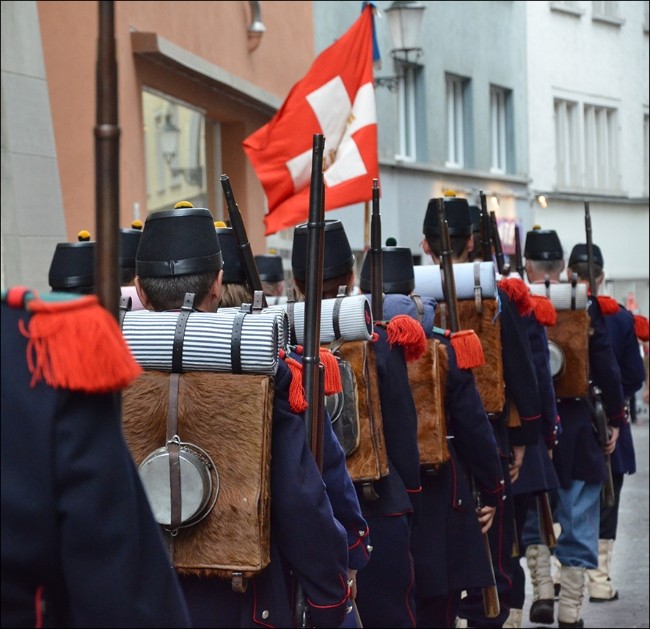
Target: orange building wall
(215, 31)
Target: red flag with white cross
(336, 98)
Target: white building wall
(32, 206)
(574, 57)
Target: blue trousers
(578, 512)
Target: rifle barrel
(590, 251)
(486, 241)
(314, 293)
(239, 229)
(107, 165)
(376, 265)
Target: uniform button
(369, 548)
(265, 614)
(362, 533)
(460, 502)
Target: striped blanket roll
(207, 344)
(560, 295)
(354, 319)
(467, 276)
(283, 321)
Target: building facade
(540, 105)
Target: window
(175, 146)
(501, 130)
(456, 117)
(601, 148)
(605, 9)
(567, 144)
(607, 12)
(407, 126)
(567, 6)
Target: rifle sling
(179, 333)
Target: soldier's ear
(217, 288)
(142, 296)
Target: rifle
(107, 165)
(486, 241)
(313, 372)
(545, 517)
(376, 267)
(519, 258)
(597, 410)
(245, 251)
(502, 267)
(491, 605)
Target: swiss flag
(335, 98)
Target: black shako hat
(269, 267)
(579, 254)
(129, 241)
(543, 244)
(457, 215)
(337, 258)
(397, 271)
(73, 265)
(178, 242)
(233, 267)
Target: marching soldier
(340, 489)
(385, 586)
(72, 269)
(447, 540)
(521, 390)
(271, 271)
(621, 328)
(179, 252)
(578, 456)
(80, 547)
(537, 474)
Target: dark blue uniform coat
(342, 495)
(537, 472)
(522, 390)
(385, 595)
(448, 546)
(626, 349)
(80, 547)
(578, 455)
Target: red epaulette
(74, 343)
(608, 305)
(297, 399)
(408, 334)
(332, 374)
(467, 347)
(544, 310)
(518, 293)
(641, 328)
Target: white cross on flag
(336, 98)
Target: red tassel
(544, 310)
(518, 293)
(297, 398)
(608, 305)
(641, 328)
(409, 334)
(76, 344)
(468, 348)
(333, 382)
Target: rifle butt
(545, 515)
(491, 606)
(607, 492)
